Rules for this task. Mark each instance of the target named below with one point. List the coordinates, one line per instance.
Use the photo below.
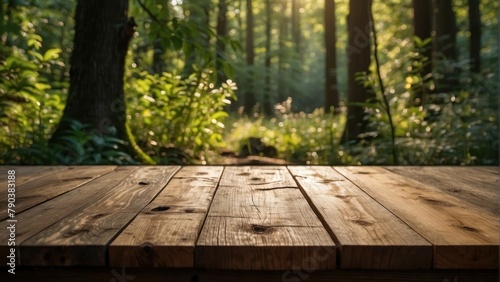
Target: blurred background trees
(203, 76)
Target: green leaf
(219, 115)
(52, 54)
(176, 42)
(36, 55)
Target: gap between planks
(83, 237)
(462, 236)
(165, 232)
(253, 226)
(369, 236)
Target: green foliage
(181, 117)
(29, 105)
(447, 129)
(79, 146)
(168, 111)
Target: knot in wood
(469, 229)
(437, 203)
(362, 222)
(160, 208)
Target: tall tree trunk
(331, 87)
(221, 45)
(282, 71)
(96, 95)
(475, 35)
(422, 28)
(296, 5)
(266, 103)
(444, 44)
(359, 54)
(250, 100)
(296, 37)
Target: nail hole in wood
(143, 183)
(259, 229)
(256, 179)
(160, 208)
(147, 248)
(189, 210)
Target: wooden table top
(254, 218)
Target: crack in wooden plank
(276, 188)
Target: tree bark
(475, 36)
(444, 44)
(96, 95)
(422, 28)
(250, 100)
(358, 52)
(331, 87)
(221, 45)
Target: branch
(382, 87)
(151, 15)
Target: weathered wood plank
(164, 234)
(368, 235)
(42, 216)
(40, 190)
(25, 174)
(82, 238)
(259, 220)
(475, 185)
(463, 236)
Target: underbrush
(309, 138)
(460, 135)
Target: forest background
(315, 81)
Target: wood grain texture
(25, 174)
(82, 238)
(58, 182)
(259, 220)
(463, 236)
(164, 234)
(476, 185)
(368, 235)
(38, 218)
